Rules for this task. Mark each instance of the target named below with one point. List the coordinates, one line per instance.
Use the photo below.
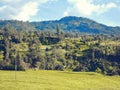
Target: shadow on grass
(22, 81)
(81, 73)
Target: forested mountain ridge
(79, 24)
(69, 23)
(16, 25)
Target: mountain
(72, 23)
(69, 23)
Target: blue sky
(102, 11)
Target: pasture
(57, 80)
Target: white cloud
(111, 5)
(87, 7)
(20, 9)
(29, 9)
(105, 7)
(83, 6)
(7, 0)
(2, 8)
(66, 13)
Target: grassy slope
(57, 80)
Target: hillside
(72, 23)
(60, 51)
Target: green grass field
(57, 80)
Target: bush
(59, 67)
(12, 67)
(98, 70)
(80, 68)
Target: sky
(103, 11)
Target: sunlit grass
(57, 80)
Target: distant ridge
(69, 23)
(17, 25)
(73, 23)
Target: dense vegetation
(58, 50)
(57, 80)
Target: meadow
(57, 80)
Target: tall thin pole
(15, 68)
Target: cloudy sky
(103, 11)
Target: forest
(59, 50)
